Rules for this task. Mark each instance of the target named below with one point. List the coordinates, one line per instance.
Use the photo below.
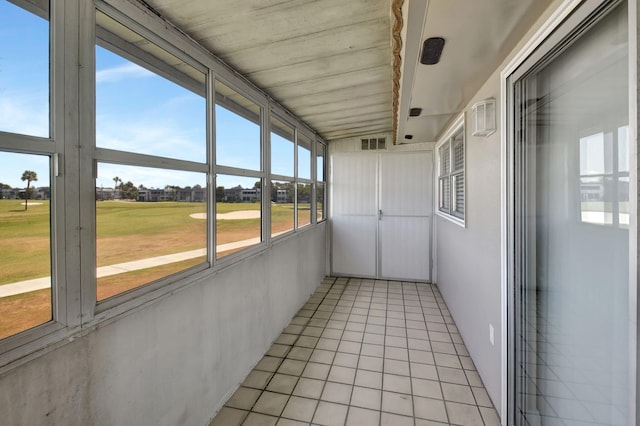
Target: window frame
(447, 141)
(71, 147)
(320, 145)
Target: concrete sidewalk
(120, 268)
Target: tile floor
(364, 352)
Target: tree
(29, 176)
(128, 191)
(115, 187)
(4, 186)
(220, 194)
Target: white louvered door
(381, 208)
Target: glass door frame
(568, 23)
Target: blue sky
(136, 111)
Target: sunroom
(318, 212)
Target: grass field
(126, 231)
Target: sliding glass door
(570, 242)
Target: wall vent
(373, 144)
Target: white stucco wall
(468, 260)
(176, 361)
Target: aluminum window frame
(72, 145)
(451, 175)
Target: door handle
(380, 214)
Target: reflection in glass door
(571, 223)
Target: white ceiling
(330, 62)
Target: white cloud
(122, 72)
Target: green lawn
(125, 231)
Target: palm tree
(115, 187)
(29, 176)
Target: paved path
(105, 271)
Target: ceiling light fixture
(414, 112)
(431, 50)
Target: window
(151, 186)
(239, 172)
(303, 188)
(107, 201)
(26, 153)
(320, 181)
(451, 174)
(282, 177)
(604, 178)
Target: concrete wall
(176, 361)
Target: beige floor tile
(353, 336)
(293, 329)
(277, 350)
(292, 367)
(397, 403)
(426, 388)
(312, 331)
(270, 403)
(395, 383)
(286, 339)
(373, 339)
(332, 333)
(243, 398)
(396, 341)
(388, 419)
(299, 353)
(458, 393)
(444, 347)
(370, 363)
(330, 414)
(423, 357)
(289, 422)
(357, 327)
(307, 341)
(268, 363)
(309, 388)
(418, 344)
(362, 417)
(322, 356)
(393, 366)
(337, 392)
(452, 375)
(366, 398)
(342, 374)
(314, 370)
(400, 354)
(349, 347)
(256, 419)
(430, 409)
(282, 383)
(463, 414)
(368, 379)
(482, 397)
(372, 350)
(301, 409)
(446, 360)
(474, 378)
(327, 344)
(490, 416)
(257, 379)
(229, 417)
(346, 360)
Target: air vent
(408, 136)
(373, 144)
(431, 50)
(415, 112)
